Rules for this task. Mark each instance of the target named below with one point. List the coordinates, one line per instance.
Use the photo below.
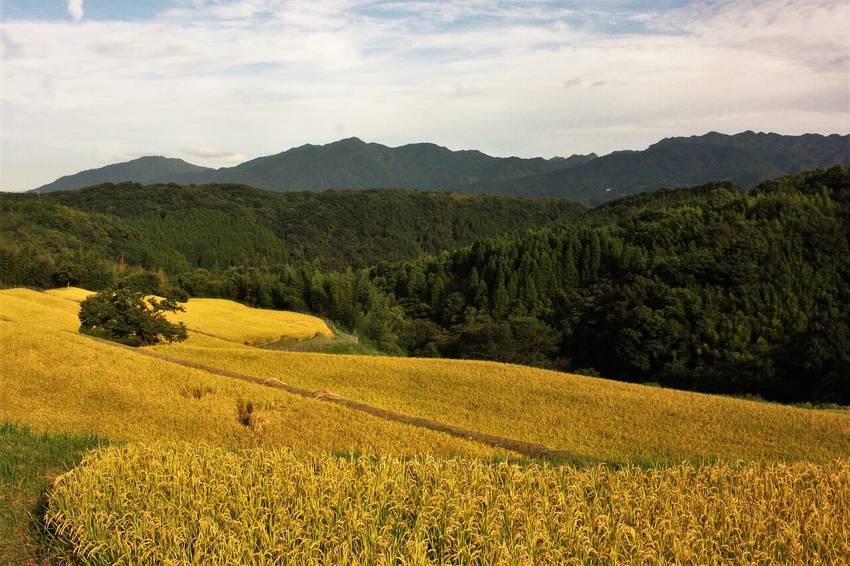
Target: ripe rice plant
(75, 294)
(185, 504)
(592, 418)
(61, 381)
(236, 322)
(228, 320)
(26, 305)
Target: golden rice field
(200, 481)
(75, 294)
(185, 504)
(594, 419)
(59, 381)
(236, 322)
(45, 310)
(224, 319)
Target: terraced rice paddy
(215, 317)
(63, 382)
(235, 322)
(592, 418)
(39, 309)
(271, 476)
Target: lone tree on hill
(129, 317)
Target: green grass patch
(353, 348)
(29, 462)
(340, 343)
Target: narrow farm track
(529, 449)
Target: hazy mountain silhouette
(744, 159)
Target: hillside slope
(713, 289)
(592, 419)
(345, 164)
(150, 169)
(118, 393)
(218, 226)
(744, 159)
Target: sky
(85, 83)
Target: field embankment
(29, 462)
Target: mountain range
(745, 159)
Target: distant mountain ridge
(745, 159)
(149, 169)
(354, 164)
(345, 164)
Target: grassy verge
(341, 343)
(28, 463)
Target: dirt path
(529, 449)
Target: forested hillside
(712, 288)
(76, 237)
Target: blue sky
(84, 83)
(147, 9)
(93, 9)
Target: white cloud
(216, 155)
(75, 8)
(265, 75)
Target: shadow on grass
(29, 463)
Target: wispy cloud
(524, 78)
(75, 8)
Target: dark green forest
(712, 288)
(215, 227)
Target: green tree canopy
(127, 316)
